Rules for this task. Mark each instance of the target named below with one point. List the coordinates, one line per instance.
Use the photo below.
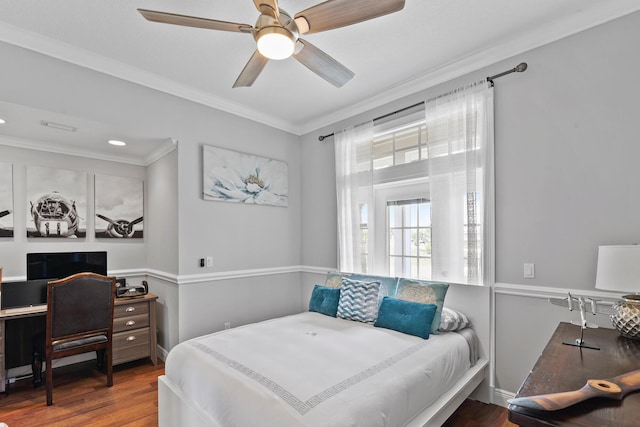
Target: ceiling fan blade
(252, 70)
(340, 13)
(268, 7)
(194, 21)
(323, 65)
(613, 388)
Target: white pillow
(452, 320)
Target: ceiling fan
(277, 35)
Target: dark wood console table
(565, 368)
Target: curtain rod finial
(521, 67)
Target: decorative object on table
(612, 388)
(6, 200)
(571, 302)
(243, 178)
(57, 202)
(619, 270)
(119, 207)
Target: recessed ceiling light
(117, 143)
(2, 121)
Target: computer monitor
(57, 265)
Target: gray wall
(566, 162)
(565, 166)
(260, 242)
(13, 250)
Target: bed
(313, 369)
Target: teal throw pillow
(324, 300)
(412, 318)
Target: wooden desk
(134, 329)
(565, 368)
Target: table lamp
(619, 270)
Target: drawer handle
(130, 309)
(131, 338)
(130, 323)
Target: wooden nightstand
(134, 329)
(565, 368)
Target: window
(409, 238)
(421, 188)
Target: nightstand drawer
(131, 309)
(130, 322)
(131, 345)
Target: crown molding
(605, 12)
(601, 13)
(166, 147)
(87, 59)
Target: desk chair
(79, 320)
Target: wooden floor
(81, 398)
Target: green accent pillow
(324, 300)
(426, 293)
(408, 317)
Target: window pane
(424, 210)
(407, 138)
(409, 230)
(407, 156)
(411, 215)
(383, 162)
(410, 242)
(395, 216)
(395, 242)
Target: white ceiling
(426, 43)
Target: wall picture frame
(56, 203)
(232, 176)
(119, 207)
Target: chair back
(80, 305)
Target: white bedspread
(314, 370)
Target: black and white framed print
(231, 176)
(6, 200)
(119, 207)
(56, 203)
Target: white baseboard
(162, 353)
(501, 397)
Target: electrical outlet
(227, 325)
(201, 262)
(209, 261)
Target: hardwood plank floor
(477, 414)
(81, 398)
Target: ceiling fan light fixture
(276, 42)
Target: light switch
(529, 271)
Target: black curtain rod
(517, 69)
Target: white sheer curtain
(354, 188)
(460, 167)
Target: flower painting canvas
(243, 178)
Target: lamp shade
(619, 268)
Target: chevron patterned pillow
(359, 301)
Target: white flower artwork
(243, 178)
